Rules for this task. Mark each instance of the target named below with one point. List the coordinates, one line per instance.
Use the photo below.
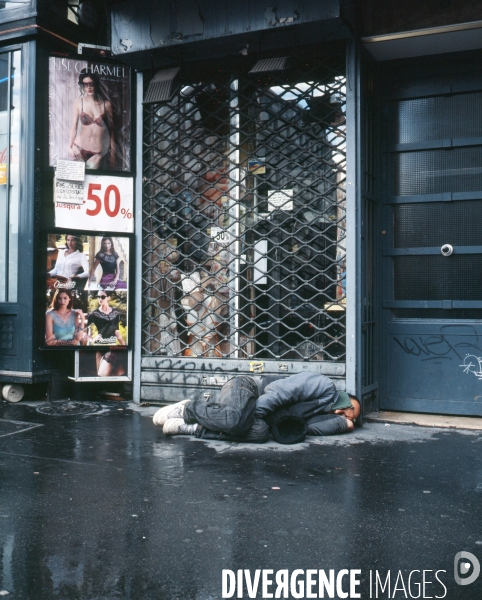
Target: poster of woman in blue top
(94, 312)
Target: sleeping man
(248, 410)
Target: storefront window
(244, 216)
(10, 89)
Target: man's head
(352, 412)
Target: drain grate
(69, 408)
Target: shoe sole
(162, 415)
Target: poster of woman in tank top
(87, 284)
(89, 113)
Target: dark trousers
(231, 418)
(322, 424)
(327, 425)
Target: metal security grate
(436, 278)
(438, 117)
(439, 171)
(244, 214)
(456, 223)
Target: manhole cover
(68, 408)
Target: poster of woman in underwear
(89, 113)
(86, 294)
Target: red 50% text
(112, 201)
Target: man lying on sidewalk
(288, 407)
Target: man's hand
(351, 413)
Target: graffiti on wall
(451, 342)
(472, 364)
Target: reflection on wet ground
(104, 506)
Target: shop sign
(107, 205)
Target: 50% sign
(111, 209)
(108, 205)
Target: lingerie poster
(90, 113)
(110, 365)
(87, 284)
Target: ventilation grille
(161, 87)
(269, 64)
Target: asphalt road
(103, 506)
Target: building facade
(305, 195)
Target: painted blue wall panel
(143, 24)
(435, 368)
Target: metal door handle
(447, 250)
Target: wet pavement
(103, 506)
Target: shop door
(432, 246)
(244, 213)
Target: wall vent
(161, 86)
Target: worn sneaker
(178, 427)
(173, 411)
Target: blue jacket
(305, 394)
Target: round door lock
(447, 250)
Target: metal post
(138, 302)
(235, 194)
(353, 215)
(7, 189)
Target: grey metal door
(432, 243)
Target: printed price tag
(108, 205)
(221, 236)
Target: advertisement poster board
(90, 113)
(107, 205)
(87, 291)
(110, 365)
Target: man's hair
(356, 404)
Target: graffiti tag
(179, 365)
(446, 344)
(472, 364)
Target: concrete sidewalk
(102, 505)
(425, 420)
